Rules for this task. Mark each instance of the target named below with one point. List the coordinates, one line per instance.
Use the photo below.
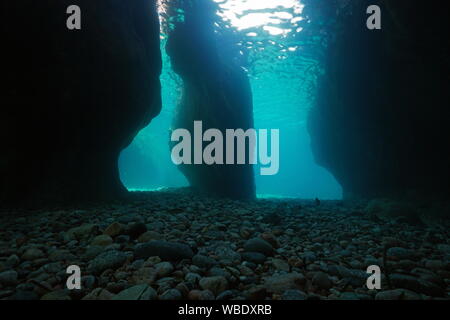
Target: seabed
(173, 244)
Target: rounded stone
(33, 254)
(258, 245)
(102, 240)
(8, 278)
(215, 284)
(114, 229)
(322, 281)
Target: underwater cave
(263, 38)
(224, 150)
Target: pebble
(12, 261)
(193, 278)
(294, 295)
(164, 269)
(114, 229)
(254, 257)
(256, 293)
(322, 281)
(397, 294)
(88, 282)
(202, 261)
(111, 259)
(201, 295)
(280, 265)
(416, 285)
(83, 231)
(149, 236)
(91, 253)
(61, 255)
(435, 265)
(401, 253)
(171, 294)
(99, 294)
(165, 250)
(5, 293)
(33, 254)
(349, 296)
(258, 245)
(281, 283)
(134, 230)
(57, 295)
(102, 240)
(226, 295)
(8, 278)
(227, 255)
(215, 284)
(309, 257)
(138, 292)
(122, 238)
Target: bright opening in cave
(282, 74)
(263, 14)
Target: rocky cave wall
(379, 121)
(72, 100)
(217, 92)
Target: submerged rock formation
(216, 92)
(378, 124)
(72, 100)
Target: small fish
(317, 201)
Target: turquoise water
(282, 72)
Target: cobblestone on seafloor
(174, 245)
